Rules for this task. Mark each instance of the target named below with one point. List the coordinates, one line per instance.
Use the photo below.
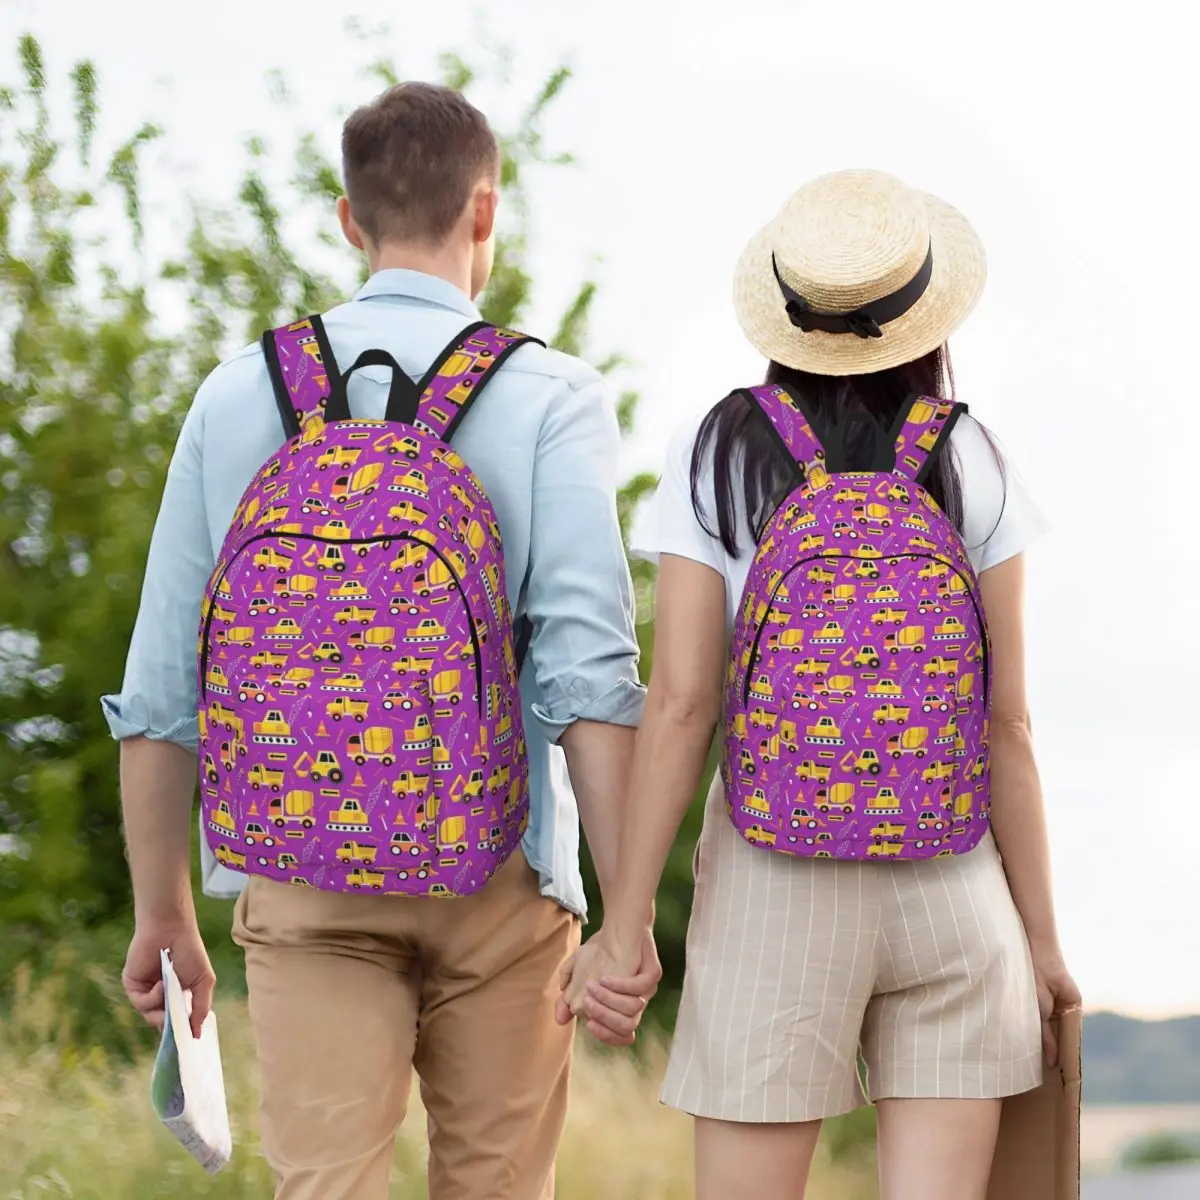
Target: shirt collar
(416, 285)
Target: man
(348, 993)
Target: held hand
(142, 977)
(1057, 993)
(608, 989)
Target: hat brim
(959, 273)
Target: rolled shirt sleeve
(579, 595)
(158, 697)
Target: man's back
(543, 441)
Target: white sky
(1064, 135)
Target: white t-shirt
(1000, 518)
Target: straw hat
(857, 273)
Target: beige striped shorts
(796, 967)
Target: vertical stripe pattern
(795, 965)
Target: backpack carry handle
(403, 397)
(922, 429)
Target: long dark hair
(861, 408)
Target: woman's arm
(1017, 812)
(682, 707)
(1018, 815)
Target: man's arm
(579, 598)
(155, 719)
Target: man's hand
(609, 989)
(142, 977)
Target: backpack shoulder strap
(786, 418)
(460, 373)
(304, 374)
(921, 431)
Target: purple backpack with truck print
(360, 725)
(858, 693)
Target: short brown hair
(410, 159)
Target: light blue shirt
(544, 442)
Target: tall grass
(76, 1123)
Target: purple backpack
(858, 692)
(360, 725)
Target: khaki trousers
(348, 993)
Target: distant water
(1106, 1130)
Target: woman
(935, 965)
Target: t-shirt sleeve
(668, 524)
(1000, 517)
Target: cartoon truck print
(824, 733)
(802, 818)
(297, 587)
(914, 520)
(756, 804)
(865, 762)
(889, 616)
(374, 743)
(270, 559)
(865, 656)
(757, 835)
(951, 629)
(831, 634)
(888, 829)
(787, 736)
(836, 801)
(883, 594)
(911, 741)
(210, 769)
(239, 635)
(840, 597)
(936, 771)
(410, 783)
(428, 630)
(360, 878)
(862, 568)
(377, 637)
(446, 687)
(938, 665)
(965, 691)
(222, 820)
(265, 777)
(357, 852)
(216, 681)
(811, 666)
(337, 456)
(836, 688)
(882, 849)
(884, 689)
(273, 730)
(876, 516)
(786, 639)
(404, 843)
(355, 614)
(256, 833)
(345, 706)
(361, 483)
(911, 637)
(934, 570)
(219, 714)
(324, 766)
(294, 807)
(348, 681)
(413, 483)
(800, 699)
(229, 857)
(349, 589)
(760, 718)
(284, 630)
(811, 770)
(886, 803)
(451, 835)
(348, 818)
(268, 658)
(891, 713)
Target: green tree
(93, 386)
